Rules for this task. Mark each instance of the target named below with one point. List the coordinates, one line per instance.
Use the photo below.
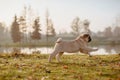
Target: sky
(100, 13)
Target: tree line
(28, 27)
(20, 28)
(109, 33)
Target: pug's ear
(85, 36)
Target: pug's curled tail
(59, 40)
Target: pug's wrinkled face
(87, 37)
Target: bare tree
(75, 26)
(108, 32)
(116, 32)
(50, 27)
(84, 28)
(23, 27)
(117, 23)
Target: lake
(103, 49)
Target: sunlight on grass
(72, 67)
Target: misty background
(38, 23)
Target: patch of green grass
(72, 67)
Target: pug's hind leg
(51, 56)
(58, 56)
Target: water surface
(103, 49)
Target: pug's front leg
(89, 54)
(86, 52)
(88, 49)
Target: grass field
(72, 67)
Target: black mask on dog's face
(89, 39)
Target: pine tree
(15, 32)
(2, 28)
(36, 35)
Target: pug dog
(79, 44)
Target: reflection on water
(108, 49)
(103, 50)
(27, 50)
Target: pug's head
(86, 37)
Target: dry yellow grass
(72, 67)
